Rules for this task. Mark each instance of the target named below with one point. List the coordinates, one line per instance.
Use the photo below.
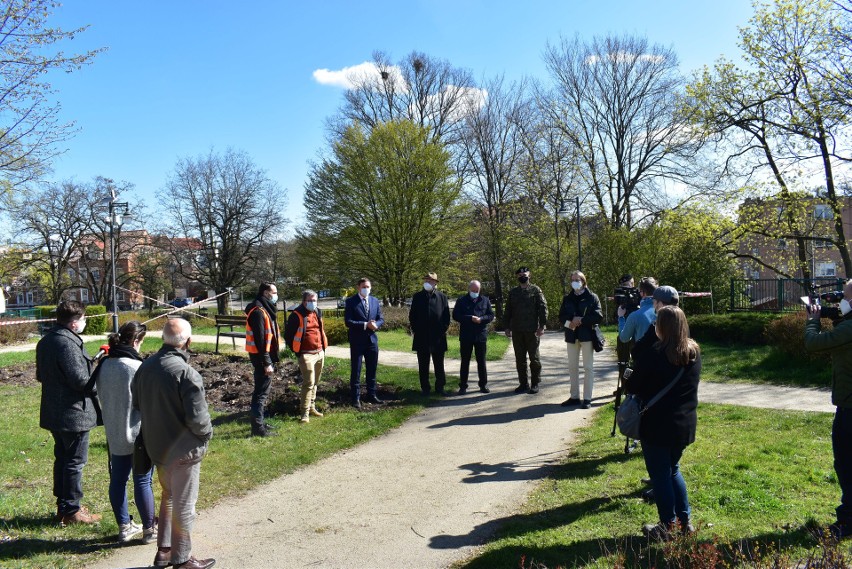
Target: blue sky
(181, 77)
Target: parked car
(341, 302)
(180, 302)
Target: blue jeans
(667, 481)
(70, 454)
(841, 443)
(122, 465)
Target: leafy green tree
(780, 121)
(384, 205)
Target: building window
(30, 299)
(20, 298)
(823, 211)
(84, 295)
(825, 269)
(822, 243)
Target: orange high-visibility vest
(251, 344)
(300, 332)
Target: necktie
(367, 307)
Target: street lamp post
(564, 212)
(115, 219)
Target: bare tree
(493, 145)
(29, 124)
(228, 207)
(429, 92)
(53, 224)
(617, 99)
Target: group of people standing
(154, 414)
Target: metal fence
(778, 295)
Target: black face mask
(523, 280)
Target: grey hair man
(176, 429)
(473, 313)
(304, 334)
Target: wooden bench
(223, 321)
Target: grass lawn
(761, 493)
(400, 341)
(235, 464)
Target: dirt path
(426, 494)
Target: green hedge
(744, 328)
(101, 321)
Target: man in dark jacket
(838, 342)
(473, 313)
(67, 408)
(262, 345)
(524, 319)
(304, 334)
(429, 317)
(176, 428)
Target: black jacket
(429, 317)
(586, 305)
(465, 308)
(671, 421)
(255, 320)
(64, 368)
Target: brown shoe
(81, 516)
(193, 563)
(163, 557)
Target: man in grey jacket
(176, 428)
(67, 408)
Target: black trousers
(437, 358)
(466, 348)
(70, 454)
(841, 442)
(262, 383)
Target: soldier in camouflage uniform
(524, 319)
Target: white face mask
(311, 306)
(474, 295)
(427, 287)
(576, 285)
(845, 307)
(365, 292)
(81, 325)
(273, 299)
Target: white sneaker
(128, 531)
(149, 535)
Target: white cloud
(349, 77)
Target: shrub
(787, 335)
(744, 328)
(396, 317)
(45, 311)
(97, 319)
(335, 331)
(13, 333)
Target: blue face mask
(311, 306)
(474, 295)
(273, 299)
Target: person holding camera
(838, 342)
(580, 312)
(637, 322)
(625, 308)
(668, 426)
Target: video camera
(834, 297)
(628, 297)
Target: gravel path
(426, 494)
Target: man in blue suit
(363, 316)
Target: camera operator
(625, 307)
(838, 342)
(638, 322)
